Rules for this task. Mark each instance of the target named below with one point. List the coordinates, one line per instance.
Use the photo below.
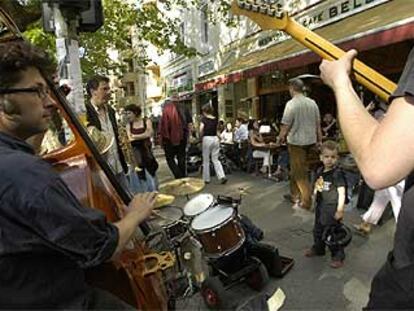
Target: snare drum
(219, 231)
(198, 204)
(171, 220)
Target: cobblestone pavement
(311, 284)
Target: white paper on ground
(276, 301)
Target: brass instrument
(102, 141)
(126, 148)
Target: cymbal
(182, 186)
(163, 199)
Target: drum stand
(182, 271)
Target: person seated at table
(241, 138)
(226, 136)
(260, 148)
(329, 127)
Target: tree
(152, 24)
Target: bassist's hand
(143, 204)
(336, 73)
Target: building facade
(244, 71)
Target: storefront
(373, 33)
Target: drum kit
(204, 230)
(209, 242)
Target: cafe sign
(321, 15)
(332, 11)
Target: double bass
(90, 178)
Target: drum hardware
(183, 273)
(155, 262)
(230, 258)
(156, 213)
(181, 281)
(183, 186)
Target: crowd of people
(302, 147)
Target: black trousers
(319, 246)
(392, 288)
(175, 156)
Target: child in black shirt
(330, 200)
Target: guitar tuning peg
(248, 6)
(264, 9)
(255, 8)
(275, 11)
(241, 3)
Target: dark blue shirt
(46, 237)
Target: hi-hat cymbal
(182, 186)
(163, 200)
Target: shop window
(129, 40)
(129, 89)
(182, 31)
(204, 24)
(228, 106)
(130, 64)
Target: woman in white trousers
(211, 144)
(381, 199)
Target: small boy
(330, 200)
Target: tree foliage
(152, 22)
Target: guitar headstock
(267, 15)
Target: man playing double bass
(46, 237)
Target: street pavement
(311, 284)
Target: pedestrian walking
(175, 127)
(381, 199)
(209, 131)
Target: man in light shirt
(301, 128)
(100, 115)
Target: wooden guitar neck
(364, 74)
(269, 16)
